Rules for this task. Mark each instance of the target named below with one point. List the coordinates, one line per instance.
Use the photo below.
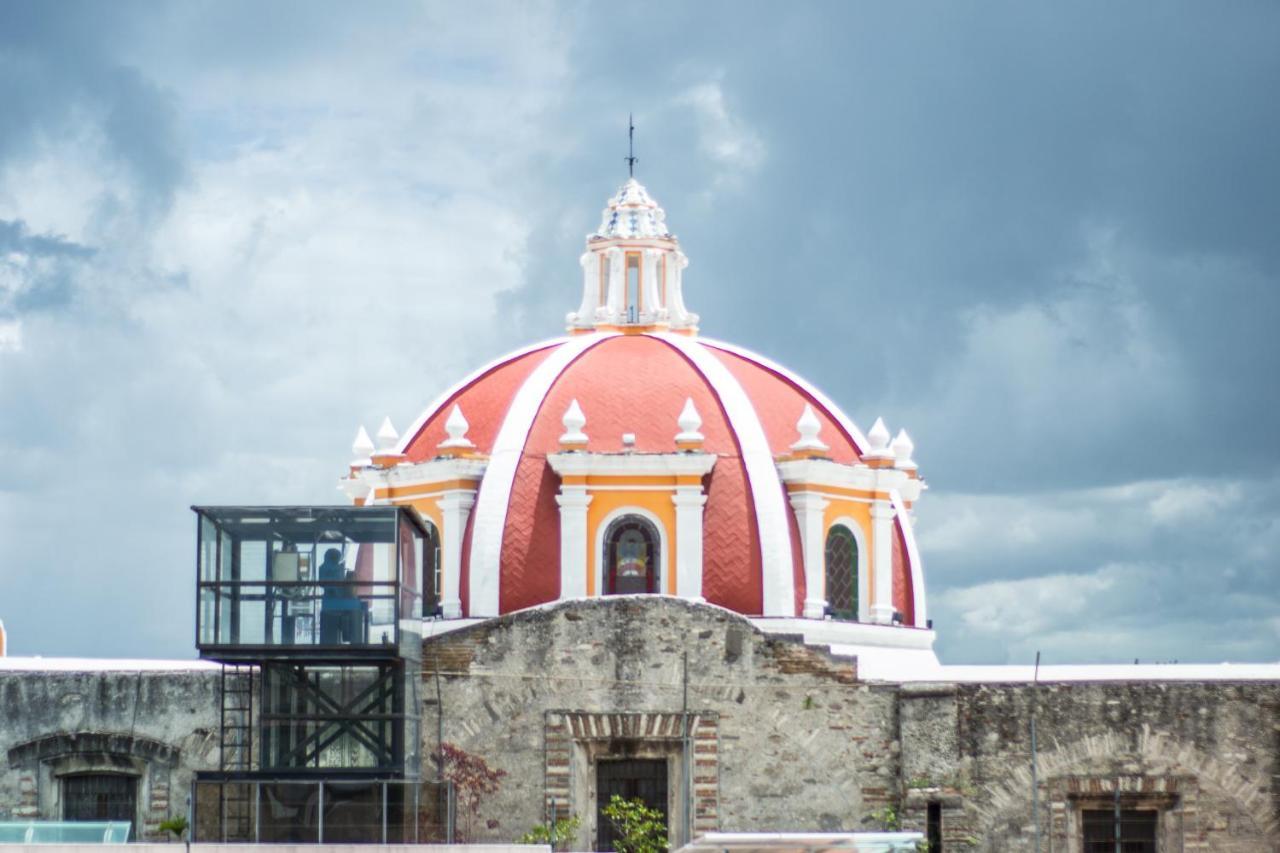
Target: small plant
(473, 780)
(888, 819)
(177, 825)
(643, 829)
(560, 835)
(920, 782)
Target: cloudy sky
(1043, 237)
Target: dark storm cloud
(42, 268)
(57, 80)
(926, 161)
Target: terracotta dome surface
(637, 384)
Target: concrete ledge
(282, 848)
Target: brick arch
(1166, 766)
(98, 743)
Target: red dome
(638, 384)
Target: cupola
(632, 270)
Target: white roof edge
(859, 440)
(1106, 672)
(54, 664)
(408, 435)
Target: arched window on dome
(431, 569)
(631, 556)
(841, 561)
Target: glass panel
(208, 550)
(290, 813)
(330, 717)
(253, 560)
(207, 610)
(352, 812)
(307, 575)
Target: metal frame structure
(329, 703)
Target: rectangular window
(1135, 832)
(604, 279)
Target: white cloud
(10, 336)
(735, 149)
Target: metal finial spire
(631, 146)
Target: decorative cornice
(631, 464)
(816, 472)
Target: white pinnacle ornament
(809, 426)
(362, 447)
(689, 422)
(457, 427)
(387, 435)
(903, 447)
(879, 437)
(574, 420)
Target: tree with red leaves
(473, 780)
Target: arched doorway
(631, 556)
(841, 560)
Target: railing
(354, 811)
(302, 613)
(64, 832)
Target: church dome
(632, 455)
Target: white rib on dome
(495, 489)
(777, 566)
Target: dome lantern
(632, 270)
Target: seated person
(341, 613)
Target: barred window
(1129, 831)
(99, 797)
(841, 557)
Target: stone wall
(1205, 755)
(781, 735)
(155, 725)
(765, 734)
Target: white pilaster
(454, 509)
(689, 501)
(649, 281)
(809, 508)
(882, 513)
(573, 501)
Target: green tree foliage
(642, 829)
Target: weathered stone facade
(155, 726)
(785, 737)
(759, 732)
